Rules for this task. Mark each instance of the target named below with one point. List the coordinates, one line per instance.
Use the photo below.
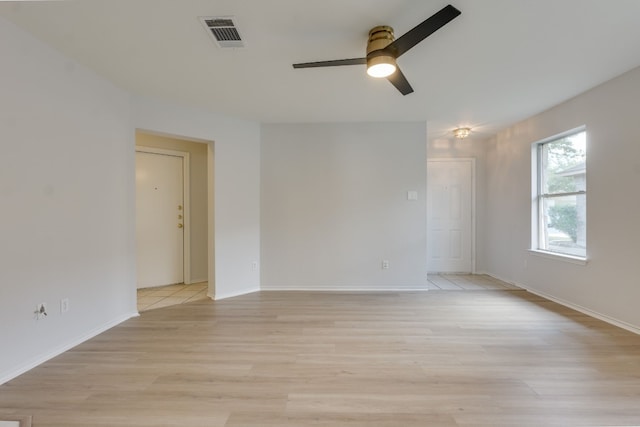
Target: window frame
(538, 197)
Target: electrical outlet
(64, 305)
(385, 264)
(41, 311)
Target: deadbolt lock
(179, 216)
(179, 207)
(180, 226)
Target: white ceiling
(499, 62)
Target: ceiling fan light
(381, 66)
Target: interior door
(159, 214)
(450, 216)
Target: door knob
(180, 226)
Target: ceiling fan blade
(400, 82)
(335, 62)
(423, 30)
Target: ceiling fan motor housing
(379, 38)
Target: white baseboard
(220, 296)
(324, 288)
(502, 279)
(347, 288)
(615, 322)
(198, 281)
(38, 360)
(608, 319)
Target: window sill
(559, 257)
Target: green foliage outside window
(565, 219)
(561, 155)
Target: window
(560, 195)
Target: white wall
(334, 205)
(67, 191)
(198, 196)
(608, 285)
(67, 198)
(236, 188)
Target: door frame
(472, 162)
(186, 205)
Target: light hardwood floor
(482, 358)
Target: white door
(450, 216)
(159, 219)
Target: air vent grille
(226, 34)
(223, 31)
(219, 22)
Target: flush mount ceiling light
(461, 133)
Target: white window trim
(534, 247)
(560, 257)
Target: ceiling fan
(383, 49)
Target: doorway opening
(172, 219)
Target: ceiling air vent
(223, 30)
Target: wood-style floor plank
(468, 358)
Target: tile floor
(163, 296)
(467, 282)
